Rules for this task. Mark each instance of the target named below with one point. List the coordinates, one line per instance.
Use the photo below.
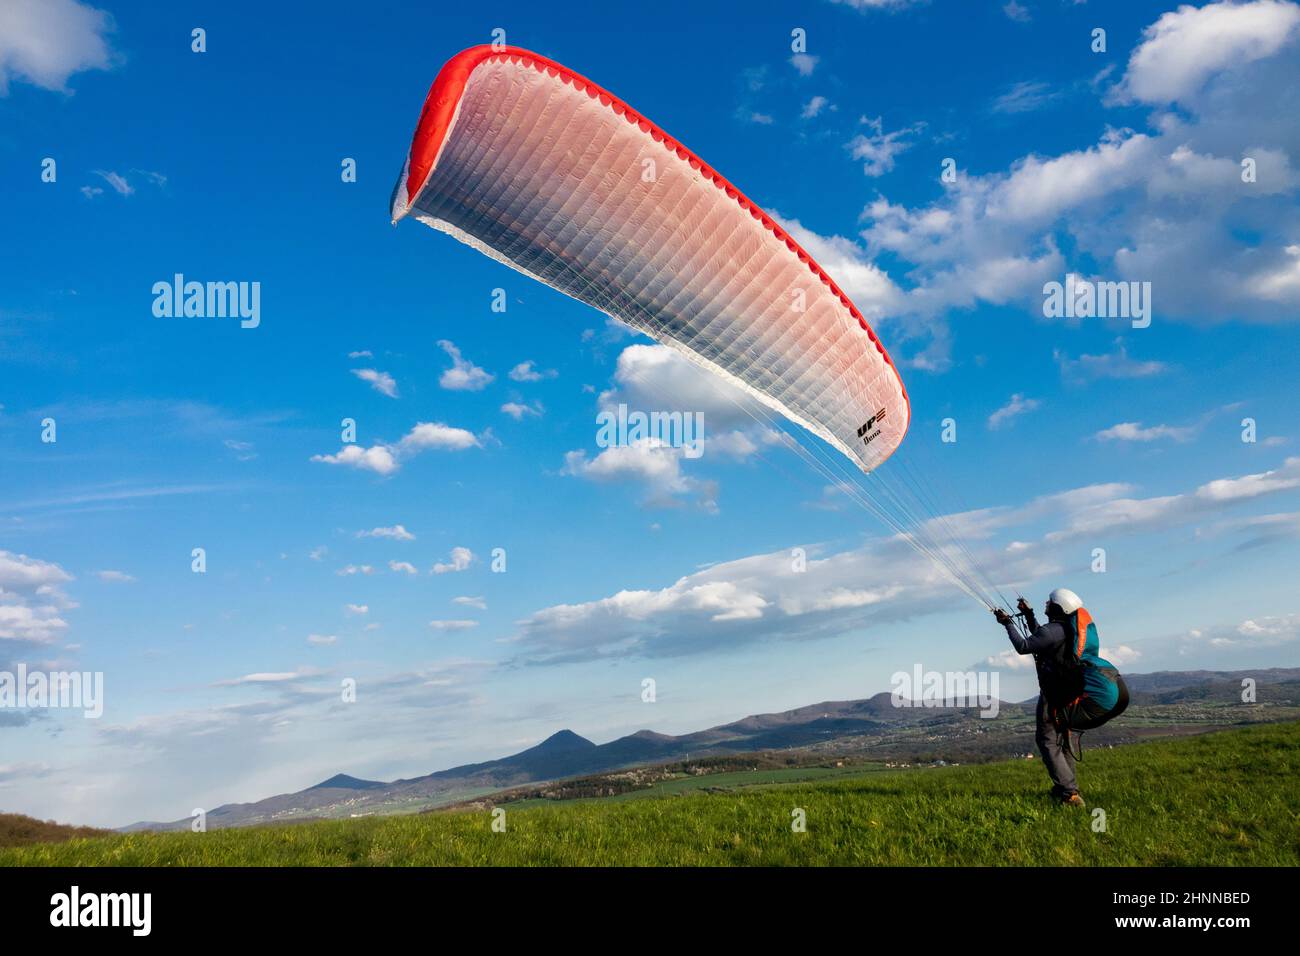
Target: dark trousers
(1054, 743)
(1055, 751)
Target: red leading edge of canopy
(440, 107)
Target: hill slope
(1217, 799)
(1164, 704)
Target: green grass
(1228, 798)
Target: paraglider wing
(541, 169)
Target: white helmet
(1066, 600)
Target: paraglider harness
(1063, 674)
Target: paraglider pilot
(1078, 690)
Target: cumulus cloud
(437, 436)
(469, 601)
(734, 604)
(381, 382)
(519, 412)
(649, 463)
(1253, 633)
(1185, 47)
(44, 42)
(1169, 205)
(459, 560)
(528, 372)
(804, 63)
(387, 459)
(377, 458)
(1126, 514)
(32, 601)
(356, 609)
(464, 375)
(402, 567)
(1120, 655)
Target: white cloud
(377, 458)
(1024, 97)
(814, 107)
(459, 560)
(436, 435)
(647, 462)
(1253, 633)
(356, 609)
(114, 577)
(1185, 47)
(268, 677)
(804, 63)
(1016, 11)
(878, 149)
(321, 640)
(1167, 206)
(1279, 282)
(243, 450)
(38, 624)
(363, 353)
(402, 567)
(453, 625)
(386, 459)
(1121, 514)
(397, 532)
(519, 412)
(118, 182)
(468, 601)
(1016, 406)
(353, 569)
(44, 42)
(528, 372)
(21, 573)
(1010, 660)
(464, 375)
(381, 382)
(1121, 655)
(735, 604)
(1117, 364)
(1246, 487)
(1135, 431)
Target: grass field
(1227, 798)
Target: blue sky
(174, 434)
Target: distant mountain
(1186, 702)
(341, 781)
